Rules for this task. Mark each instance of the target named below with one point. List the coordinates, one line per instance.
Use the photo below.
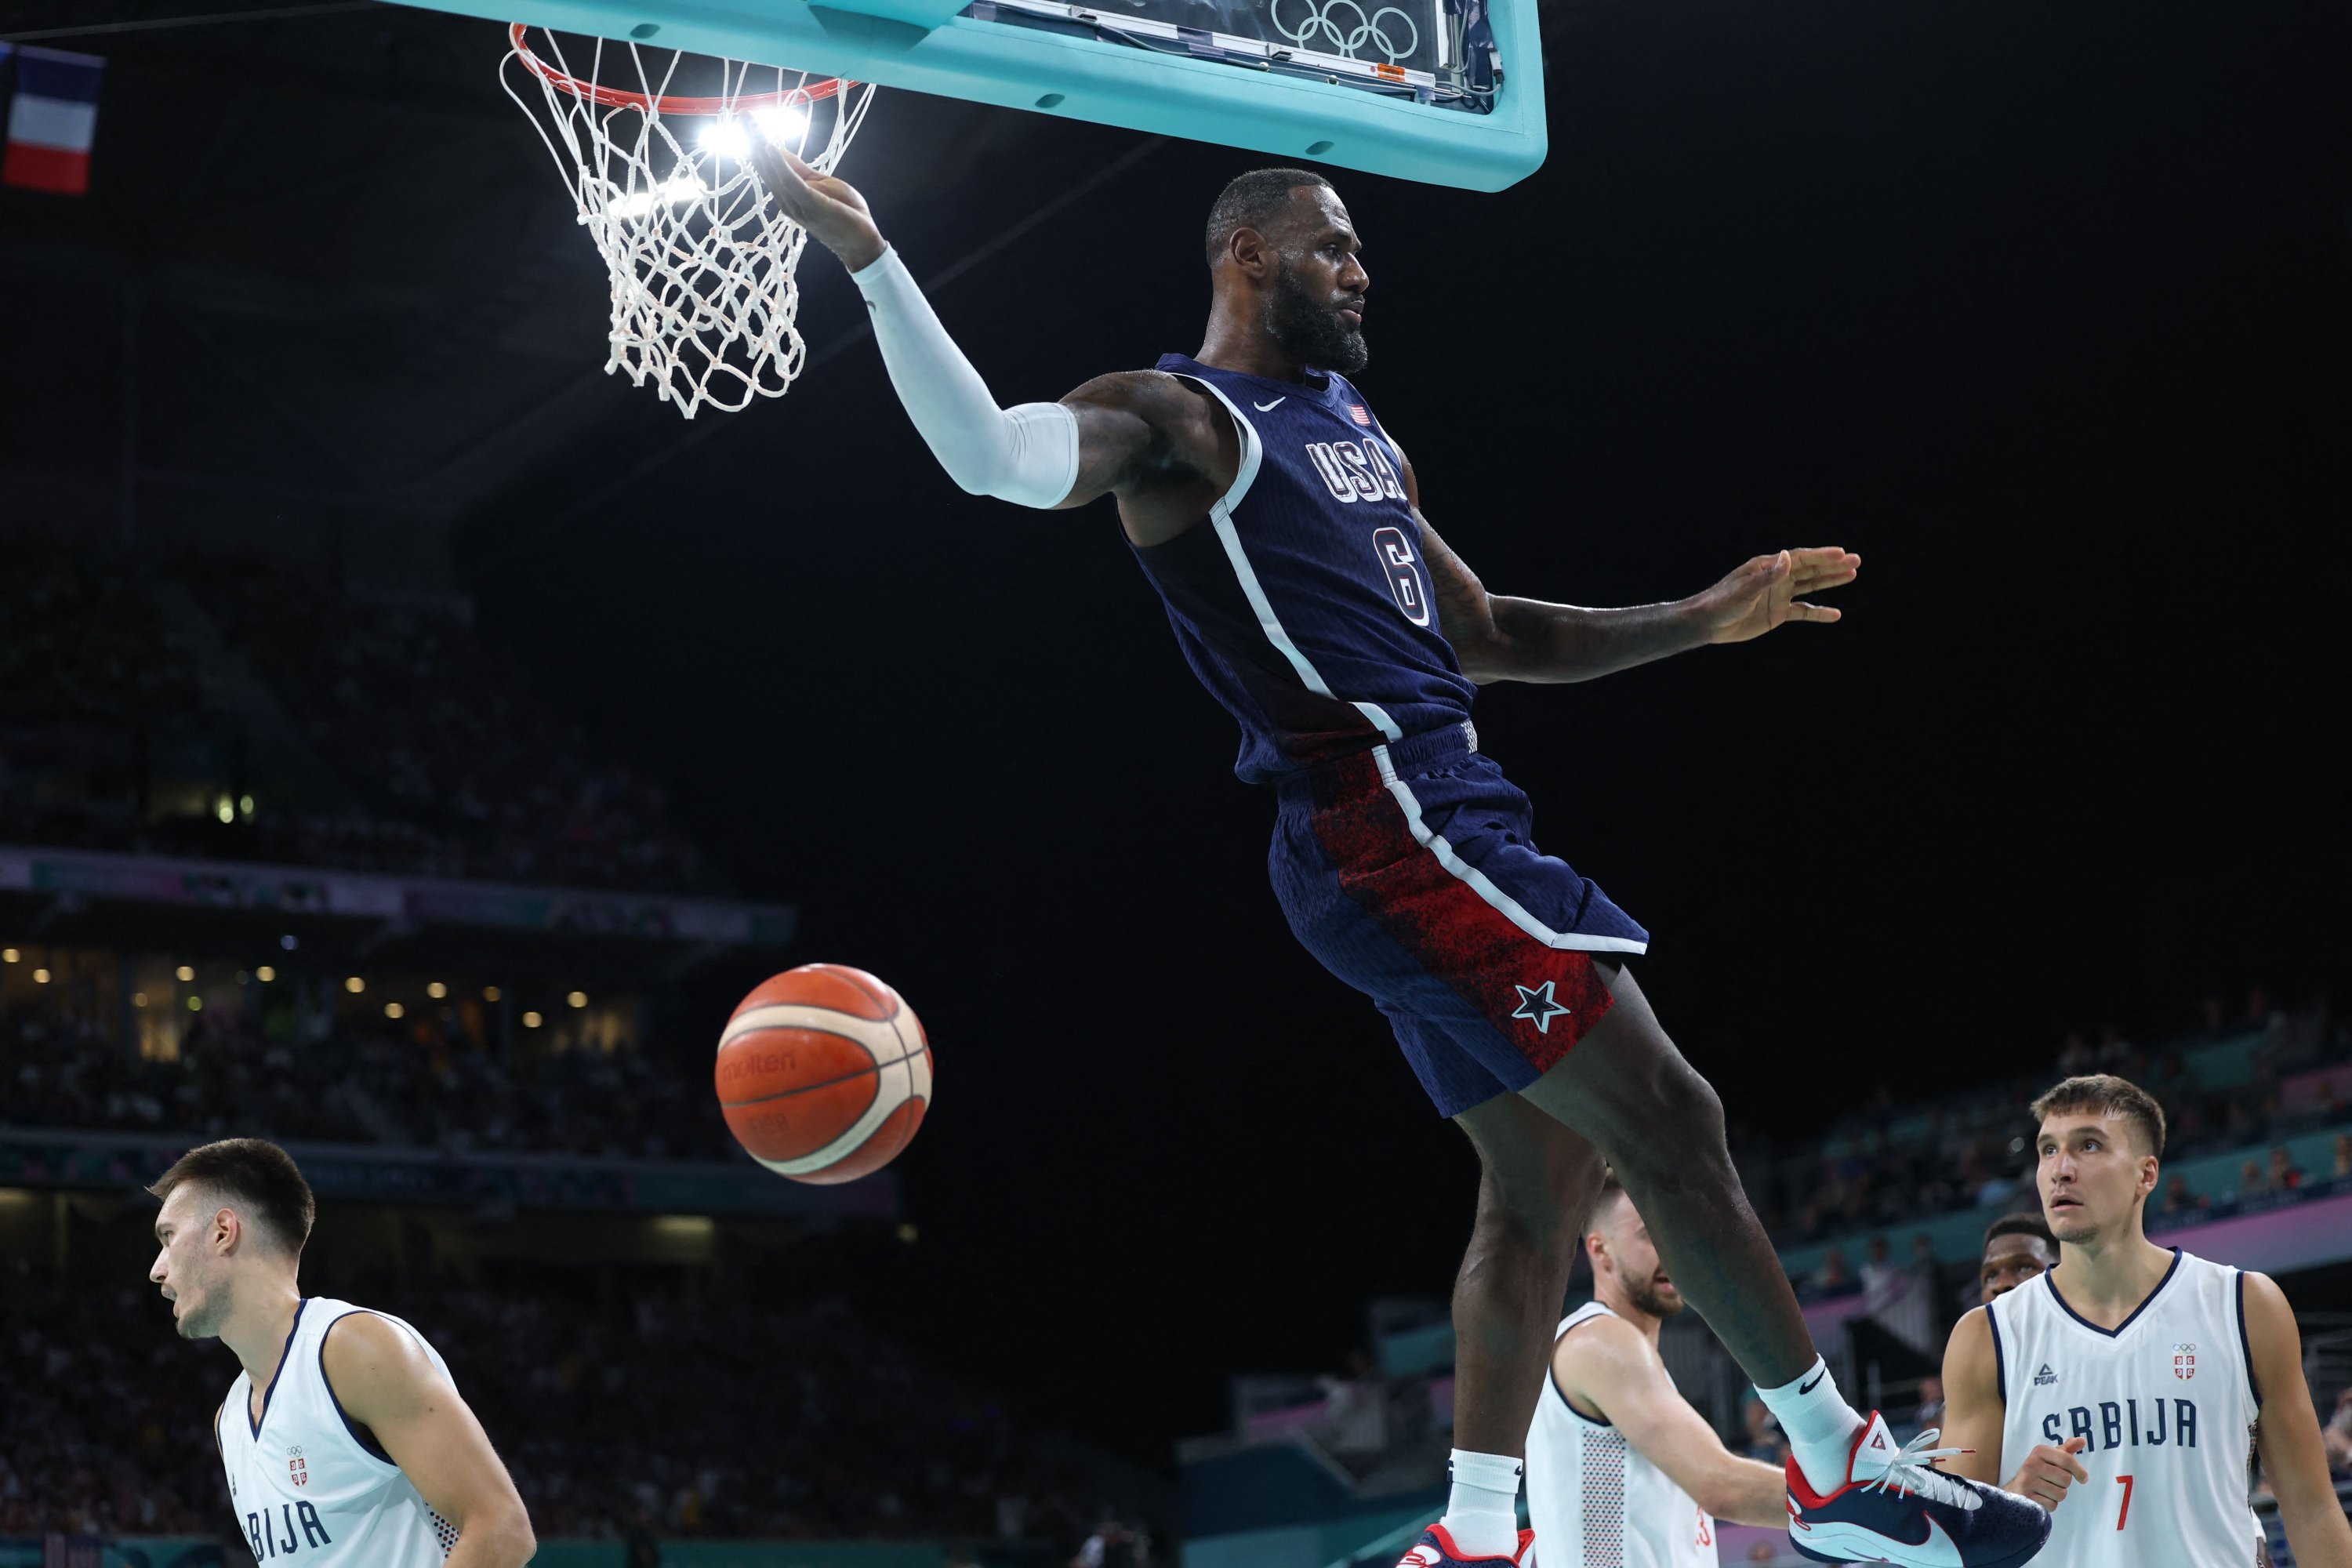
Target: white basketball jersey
(2165, 1404)
(303, 1484)
(1596, 1503)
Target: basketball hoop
(701, 260)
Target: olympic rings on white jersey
(1322, 24)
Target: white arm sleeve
(1028, 454)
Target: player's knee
(1678, 1128)
(1535, 1202)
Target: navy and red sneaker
(1895, 1506)
(1435, 1548)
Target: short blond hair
(2109, 1096)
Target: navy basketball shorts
(1411, 872)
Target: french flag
(51, 119)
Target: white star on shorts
(1536, 1006)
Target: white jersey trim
(1221, 518)
(1482, 885)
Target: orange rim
(620, 98)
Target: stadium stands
(806, 1424)
(229, 706)
(1879, 1222)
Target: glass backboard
(1448, 91)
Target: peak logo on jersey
(2045, 1377)
(1360, 414)
(1354, 472)
(1538, 1007)
(2184, 1361)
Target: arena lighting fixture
(727, 138)
(393, 1010)
(40, 977)
(491, 993)
(196, 1004)
(288, 942)
(225, 808)
(264, 974)
(185, 973)
(782, 122)
(530, 1020)
(676, 188)
(354, 985)
(7, 955)
(244, 805)
(436, 990)
(578, 998)
(139, 998)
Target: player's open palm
(831, 209)
(1772, 589)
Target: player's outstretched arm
(1043, 455)
(1502, 638)
(1607, 1361)
(1975, 1414)
(384, 1382)
(2288, 1434)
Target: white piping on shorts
(1482, 885)
(1220, 516)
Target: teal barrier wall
(750, 1554)
(1307, 1545)
(196, 1551)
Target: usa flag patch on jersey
(1360, 414)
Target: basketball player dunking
(2145, 1376)
(345, 1442)
(1621, 1469)
(1282, 525)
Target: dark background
(2042, 309)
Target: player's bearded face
(1655, 1294)
(1304, 322)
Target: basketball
(823, 1074)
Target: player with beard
(1620, 1467)
(1281, 524)
(345, 1444)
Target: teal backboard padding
(926, 45)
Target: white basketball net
(701, 260)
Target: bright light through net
(700, 259)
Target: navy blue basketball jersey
(1303, 602)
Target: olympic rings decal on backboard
(1321, 24)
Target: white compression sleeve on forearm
(1028, 454)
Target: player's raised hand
(2048, 1472)
(831, 209)
(1769, 590)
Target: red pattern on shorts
(1448, 927)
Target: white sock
(1820, 1425)
(1482, 1512)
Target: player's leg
(1536, 1183)
(1658, 1122)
